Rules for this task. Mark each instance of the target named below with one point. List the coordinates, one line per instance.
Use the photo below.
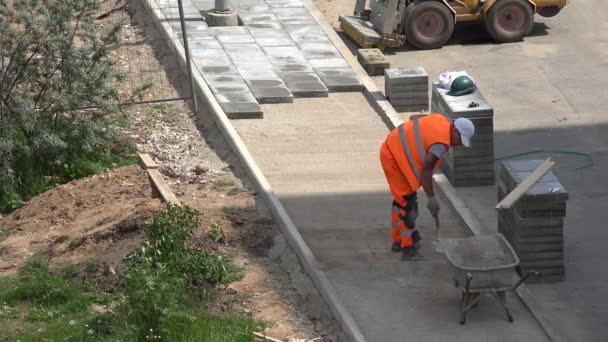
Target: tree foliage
(54, 60)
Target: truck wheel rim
(430, 24)
(512, 18)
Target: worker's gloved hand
(433, 206)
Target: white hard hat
(466, 129)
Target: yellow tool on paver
(428, 24)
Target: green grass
(164, 294)
(36, 181)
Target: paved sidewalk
(321, 158)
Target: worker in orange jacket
(409, 156)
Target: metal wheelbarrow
(483, 264)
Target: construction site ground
(321, 158)
(548, 92)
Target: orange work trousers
(404, 210)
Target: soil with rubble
(100, 219)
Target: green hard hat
(462, 85)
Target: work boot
(408, 253)
(396, 247)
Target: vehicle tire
(510, 20)
(428, 25)
(549, 12)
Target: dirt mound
(94, 218)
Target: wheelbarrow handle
(528, 274)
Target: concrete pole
(221, 5)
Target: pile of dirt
(97, 218)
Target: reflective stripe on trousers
(400, 232)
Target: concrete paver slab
(319, 50)
(229, 31)
(328, 63)
(241, 47)
(340, 79)
(257, 55)
(304, 84)
(236, 39)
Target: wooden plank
(163, 187)
(266, 338)
(148, 162)
(525, 185)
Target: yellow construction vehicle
(428, 24)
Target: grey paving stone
(298, 20)
(284, 3)
(328, 63)
(485, 150)
(247, 55)
(468, 110)
(260, 75)
(293, 67)
(239, 105)
(265, 25)
(205, 44)
(253, 8)
(253, 65)
(513, 218)
(229, 30)
(239, 97)
(278, 94)
(191, 26)
(405, 76)
(305, 84)
(319, 50)
(408, 102)
(236, 111)
(193, 36)
(373, 61)
(290, 12)
(218, 70)
(241, 47)
(212, 62)
(223, 79)
(306, 33)
(269, 38)
(409, 95)
(236, 39)
(287, 58)
(406, 87)
(411, 109)
(339, 79)
(208, 53)
(229, 88)
(258, 17)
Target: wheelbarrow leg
(501, 296)
(464, 302)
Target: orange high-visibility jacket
(410, 142)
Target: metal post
(221, 5)
(359, 7)
(187, 52)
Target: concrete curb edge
(392, 120)
(288, 228)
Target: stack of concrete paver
(407, 89)
(472, 166)
(534, 225)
